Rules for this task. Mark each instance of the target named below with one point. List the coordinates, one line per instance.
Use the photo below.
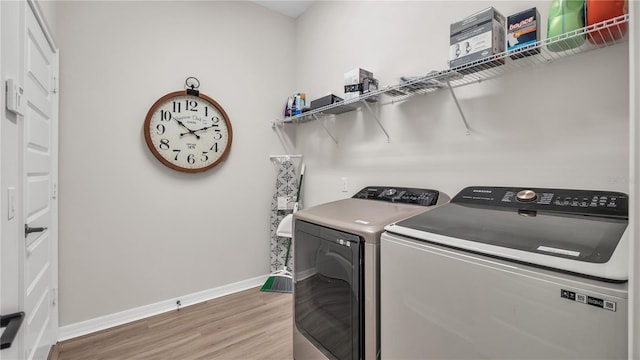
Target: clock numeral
(191, 105)
(164, 144)
(214, 147)
(177, 106)
(204, 157)
(206, 111)
(165, 115)
(215, 120)
(191, 159)
(217, 135)
(161, 129)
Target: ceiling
(292, 8)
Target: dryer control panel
(569, 201)
(415, 196)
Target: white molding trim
(108, 321)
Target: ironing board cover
(286, 186)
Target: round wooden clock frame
(188, 102)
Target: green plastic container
(565, 16)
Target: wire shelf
(603, 34)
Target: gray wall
(132, 231)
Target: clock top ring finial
(192, 83)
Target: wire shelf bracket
(375, 116)
(324, 125)
(284, 141)
(455, 99)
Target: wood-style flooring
(250, 324)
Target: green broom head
(278, 283)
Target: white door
(39, 180)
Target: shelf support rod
(455, 99)
(281, 136)
(324, 125)
(366, 104)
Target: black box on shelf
(324, 101)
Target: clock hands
(192, 132)
(205, 128)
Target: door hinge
(55, 85)
(54, 295)
(54, 191)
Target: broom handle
(300, 183)
(286, 258)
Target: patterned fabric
(286, 186)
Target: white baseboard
(104, 322)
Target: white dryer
(508, 273)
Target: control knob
(390, 192)
(526, 195)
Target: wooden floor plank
(250, 324)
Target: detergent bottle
(603, 10)
(565, 16)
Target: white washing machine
(336, 276)
(507, 273)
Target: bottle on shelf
(303, 101)
(602, 10)
(565, 16)
(299, 103)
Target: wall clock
(187, 130)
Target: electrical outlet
(345, 184)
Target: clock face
(187, 132)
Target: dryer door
(328, 289)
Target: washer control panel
(423, 197)
(586, 202)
